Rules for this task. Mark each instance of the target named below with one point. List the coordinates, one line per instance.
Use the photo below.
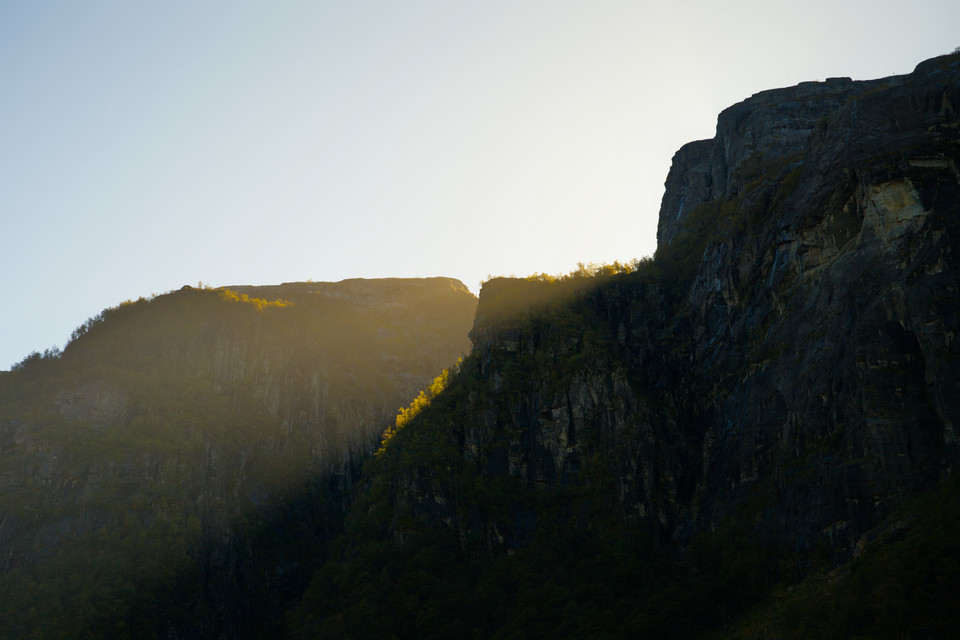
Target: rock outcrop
(789, 357)
(771, 127)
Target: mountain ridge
(759, 398)
(691, 445)
(172, 433)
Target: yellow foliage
(421, 402)
(590, 270)
(594, 269)
(232, 296)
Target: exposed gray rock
(97, 402)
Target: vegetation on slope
(904, 584)
(557, 483)
(186, 458)
(451, 539)
(416, 559)
(577, 565)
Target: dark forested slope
(142, 467)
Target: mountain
(752, 434)
(172, 436)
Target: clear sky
(148, 145)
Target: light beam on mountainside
(147, 146)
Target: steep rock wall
(800, 377)
(195, 424)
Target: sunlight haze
(144, 146)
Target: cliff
(760, 400)
(752, 434)
(175, 435)
(823, 309)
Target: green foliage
(516, 302)
(609, 581)
(36, 359)
(593, 270)
(421, 402)
(86, 327)
(575, 564)
(160, 473)
(110, 584)
(132, 537)
(259, 303)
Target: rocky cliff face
(788, 358)
(826, 330)
(772, 127)
(646, 454)
(156, 448)
(785, 369)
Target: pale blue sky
(148, 145)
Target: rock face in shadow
(771, 127)
(786, 368)
(789, 358)
(175, 435)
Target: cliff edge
(758, 402)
